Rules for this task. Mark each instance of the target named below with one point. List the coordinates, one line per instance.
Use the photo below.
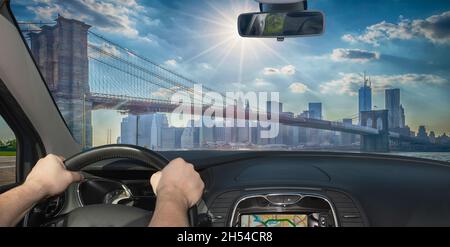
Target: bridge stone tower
(61, 54)
(377, 120)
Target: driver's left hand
(50, 177)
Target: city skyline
(321, 69)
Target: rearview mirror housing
(281, 24)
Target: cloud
(110, 49)
(205, 66)
(286, 70)
(239, 86)
(253, 84)
(298, 87)
(408, 79)
(261, 83)
(349, 83)
(171, 62)
(119, 17)
(435, 28)
(162, 93)
(354, 55)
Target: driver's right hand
(178, 180)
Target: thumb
(154, 181)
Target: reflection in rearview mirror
(275, 25)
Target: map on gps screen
(274, 220)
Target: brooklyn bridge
(86, 72)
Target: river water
(442, 156)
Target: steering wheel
(115, 215)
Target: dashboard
(282, 189)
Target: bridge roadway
(135, 105)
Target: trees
(9, 144)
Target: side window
(7, 154)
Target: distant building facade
(149, 130)
(315, 110)
(392, 104)
(365, 97)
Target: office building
(168, 138)
(392, 104)
(365, 96)
(144, 130)
(190, 138)
(315, 110)
(128, 133)
(402, 117)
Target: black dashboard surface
(391, 191)
(366, 189)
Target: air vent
(348, 214)
(221, 207)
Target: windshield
(176, 75)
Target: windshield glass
(176, 75)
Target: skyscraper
(143, 130)
(392, 104)
(315, 110)
(402, 117)
(365, 96)
(128, 133)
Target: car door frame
(25, 82)
(29, 145)
(26, 102)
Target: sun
(219, 28)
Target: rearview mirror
(279, 25)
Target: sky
(399, 43)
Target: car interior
(243, 187)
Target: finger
(154, 181)
(179, 159)
(76, 176)
(191, 166)
(61, 158)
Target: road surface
(7, 170)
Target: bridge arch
(369, 123)
(378, 120)
(379, 124)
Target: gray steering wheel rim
(112, 215)
(147, 158)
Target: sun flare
(224, 42)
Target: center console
(283, 210)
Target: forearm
(170, 211)
(14, 204)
